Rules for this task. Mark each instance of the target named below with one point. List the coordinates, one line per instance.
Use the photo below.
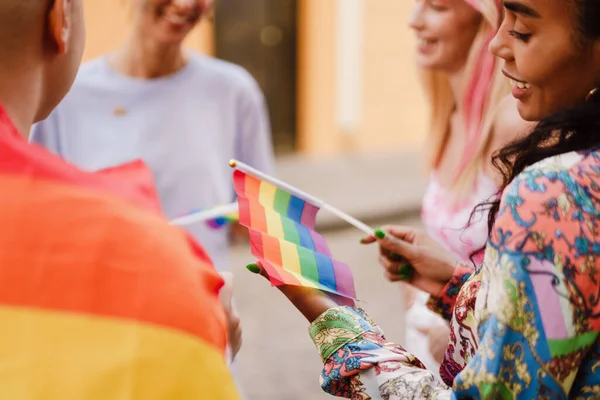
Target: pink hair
(476, 93)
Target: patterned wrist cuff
(339, 326)
(443, 303)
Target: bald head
(41, 44)
(20, 22)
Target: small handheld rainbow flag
(219, 222)
(215, 217)
(283, 238)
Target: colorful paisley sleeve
(443, 303)
(361, 364)
(537, 307)
(536, 314)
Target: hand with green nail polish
(410, 255)
(310, 302)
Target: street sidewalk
(370, 187)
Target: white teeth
(175, 19)
(519, 84)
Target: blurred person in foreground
(471, 116)
(101, 298)
(531, 306)
(183, 113)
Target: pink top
(448, 224)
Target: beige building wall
(381, 109)
(392, 112)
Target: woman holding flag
(532, 305)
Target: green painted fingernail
(363, 240)
(406, 269)
(404, 277)
(253, 268)
(379, 233)
(396, 257)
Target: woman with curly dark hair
(533, 305)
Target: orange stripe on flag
(64, 248)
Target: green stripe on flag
(289, 230)
(281, 202)
(308, 264)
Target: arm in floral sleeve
(443, 303)
(525, 350)
(536, 314)
(361, 364)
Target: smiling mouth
(176, 19)
(425, 42)
(515, 82)
(519, 84)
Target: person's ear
(59, 24)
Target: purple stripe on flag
(320, 244)
(343, 279)
(309, 215)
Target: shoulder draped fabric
(100, 298)
(529, 316)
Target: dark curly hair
(574, 129)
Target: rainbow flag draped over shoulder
(283, 238)
(100, 298)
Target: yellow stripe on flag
(59, 356)
(266, 195)
(274, 225)
(289, 257)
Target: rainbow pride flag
(100, 298)
(283, 239)
(218, 222)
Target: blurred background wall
(338, 75)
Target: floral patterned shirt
(529, 315)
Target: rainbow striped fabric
(100, 298)
(283, 238)
(216, 223)
(220, 222)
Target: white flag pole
(302, 195)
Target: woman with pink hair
(470, 118)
